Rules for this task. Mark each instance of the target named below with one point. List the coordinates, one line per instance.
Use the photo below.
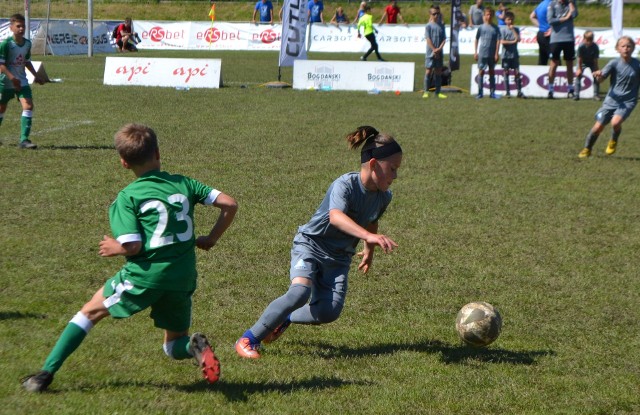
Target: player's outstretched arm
(228, 208)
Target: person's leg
(492, 82)
(26, 119)
(327, 298)
(480, 81)
(577, 83)
(438, 81)
(616, 129)
(70, 339)
(427, 76)
(516, 71)
(570, 77)
(505, 77)
(3, 109)
(553, 65)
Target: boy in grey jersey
(510, 58)
(436, 38)
(324, 246)
(486, 49)
(588, 54)
(621, 98)
(560, 15)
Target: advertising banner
(294, 32)
(535, 82)
(181, 73)
(353, 76)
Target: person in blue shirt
(266, 11)
(539, 18)
(315, 9)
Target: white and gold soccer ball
(478, 324)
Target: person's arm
(271, 15)
(401, 18)
(345, 224)
(368, 250)
(534, 18)
(15, 81)
(228, 208)
(498, 48)
(475, 48)
(111, 247)
(253, 18)
(383, 18)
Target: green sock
(25, 128)
(181, 348)
(68, 342)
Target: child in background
(339, 17)
(152, 224)
(621, 98)
(323, 248)
(486, 48)
(15, 56)
(588, 54)
(434, 61)
(510, 58)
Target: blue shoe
(494, 96)
(479, 96)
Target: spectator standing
(486, 49)
(265, 8)
(434, 61)
(588, 54)
(500, 14)
(476, 13)
(510, 36)
(539, 18)
(315, 9)
(621, 98)
(360, 12)
(560, 15)
(391, 14)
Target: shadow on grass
(14, 315)
(450, 354)
(233, 391)
(75, 147)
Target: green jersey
(157, 210)
(14, 57)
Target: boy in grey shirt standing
(560, 15)
(486, 47)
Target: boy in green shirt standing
(15, 56)
(152, 226)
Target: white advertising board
(185, 73)
(353, 76)
(535, 82)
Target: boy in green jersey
(152, 226)
(15, 56)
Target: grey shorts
(486, 62)
(511, 63)
(327, 275)
(606, 112)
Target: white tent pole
(90, 28)
(27, 19)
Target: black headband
(381, 152)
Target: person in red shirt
(126, 38)
(392, 13)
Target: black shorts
(567, 49)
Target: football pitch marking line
(62, 128)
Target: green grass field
(491, 204)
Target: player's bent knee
(298, 294)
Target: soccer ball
(478, 324)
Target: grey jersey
(348, 194)
(487, 36)
(435, 32)
(625, 80)
(588, 54)
(561, 31)
(509, 51)
(475, 15)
